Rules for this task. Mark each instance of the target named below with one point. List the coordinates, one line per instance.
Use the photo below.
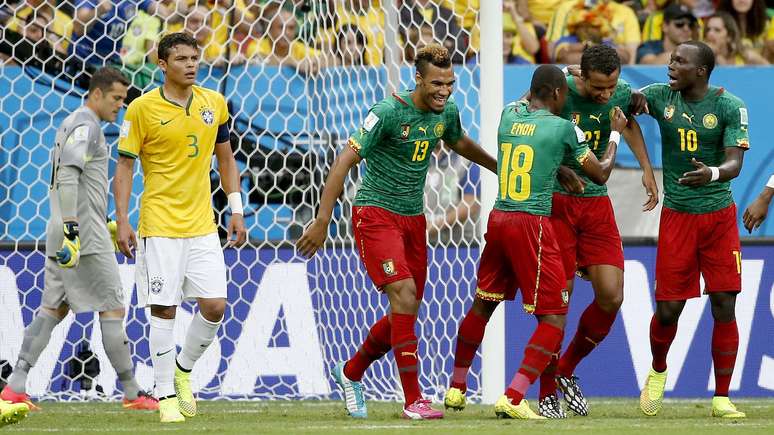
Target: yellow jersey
(652, 28)
(61, 25)
(626, 28)
(263, 47)
(175, 146)
(371, 24)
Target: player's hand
(639, 104)
(126, 238)
(70, 253)
(618, 120)
(651, 189)
(701, 176)
(236, 227)
(575, 71)
(113, 228)
(755, 214)
(570, 181)
(313, 238)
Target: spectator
(652, 28)
(768, 49)
(722, 35)
(520, 42)
(366, 17)
(452, 205)
(349, 49)
(197, 23)
(751, 18)
(540, 11)
(100, 25)
(418, 37)
(679, 25)
(447, 31)
(625, 29)
(140, 39)
(585, 27)
(59, 27)
(281, 46)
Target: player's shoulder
(623, 86)
(209, 94)
(147, 99)
(725, 97)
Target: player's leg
(37, 334)
(116, 345)
(725, 342)
(162, 348)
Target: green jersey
(594, 120)
(696, 129)
(531, 148)
(397, 140)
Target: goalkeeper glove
(113, 228)
(70, 253)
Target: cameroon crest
(439, 129)
(575, 117)
(405, 129)
(669, 112)
(389, 267)
(710, 121)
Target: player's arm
(122, 190)
(314, 236)
(468, 148)
(757, 211)
(633, 135)
(229, 181)
(599, 170)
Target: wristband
(770, 184)
(615, 137)
(235, 203)
(715, 173)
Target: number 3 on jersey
(194, 144)
(514, 173)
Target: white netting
(299, 76)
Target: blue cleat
(353, 393)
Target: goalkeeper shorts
(93, 285)
(169, 270)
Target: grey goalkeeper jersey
(81, 144)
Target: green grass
(607, 416)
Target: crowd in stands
(310, 34)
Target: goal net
(299, 76)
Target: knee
(212, 309)
(611, 301)
(667, 314)
(163, 312)
(557, 320)
(483, 308)
(723, 306)
(112, 314)
(403, 297)
(58, 313)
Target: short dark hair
(705, 56)
(600, 58)
(434, 54)
(545, 80)
(104, 78)
(168, 42)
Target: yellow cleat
(652, 395)
(722, 407)
(185, 398)
(505, 409)
(455, 399)
(169, 411)
(11, 413)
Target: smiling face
(435, 85)
(600, 87)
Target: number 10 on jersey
(514, 172)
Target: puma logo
(414, 354)
(688, 117)
(423, 130)
(596, 118)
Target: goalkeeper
(81, 272)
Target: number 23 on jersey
(514, 172)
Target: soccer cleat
(8, 395)
(143, 402)
(169, 412)
(185, 397)
(454, 399)
(550, 407)
(722, 407)
(12, 413)
(573, 396)
(353, 393)
(505, 409)
(652, 395)
(421, 410)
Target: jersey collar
(187, 104)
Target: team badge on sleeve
(81, 133)
(208, 116)
(439, 129)
(370, 121)
(710, 121)
(125, 127)
(669, 112)
(580, 135)
(743, 116)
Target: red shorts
(392, 246)
(586, 232)
(521, 253)
(689, 244)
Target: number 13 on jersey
(514, 173)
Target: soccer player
(396, 139)
(703, 136)
(81, 273)
(756, 212)
(174, 130)
(584, 222)
(521, 250)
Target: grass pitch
(613, 416)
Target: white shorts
(169, 270)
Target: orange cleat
(12, 396)
(143, 402)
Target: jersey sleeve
(132, 133)
(374, 129)
(77, 145)
(735, 125)
(453, 131)
(224, 121)
(653, 95)
(577, 147)
(626, 90)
